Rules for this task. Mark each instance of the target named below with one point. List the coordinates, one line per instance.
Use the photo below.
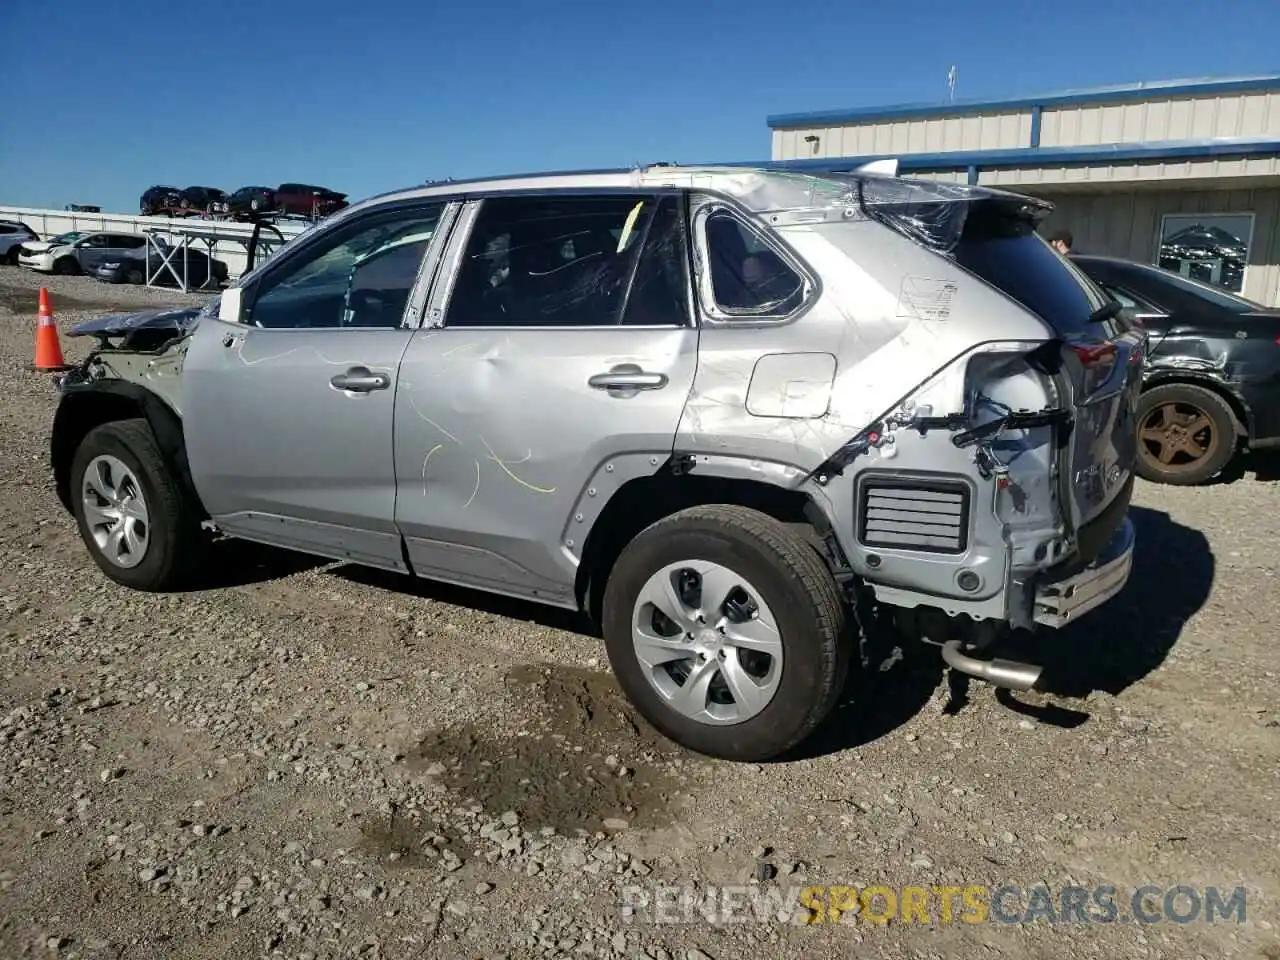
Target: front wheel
(727, 632)
(67, 266)
(139, 527)
(1186, 434)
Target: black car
(1212, 377)
(160, 201)
(197, 200)
(137, 267)
(251, 201)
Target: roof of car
(717, 177)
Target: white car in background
(13, 234)
(39, 254)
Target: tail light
(1098, 360)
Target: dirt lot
(309, 760)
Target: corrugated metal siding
(1209, 168)
(991, 131)
(1127, 224)
(1242, 115)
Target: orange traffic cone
(48, 349)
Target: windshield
(66, 238)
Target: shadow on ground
(237, 563)
(1263, 464)
(553, 617)
(1108, 650)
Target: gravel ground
(310, 760)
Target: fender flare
(90, 404)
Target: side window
(1130, 301)
(747, 277)
(358, 275)
(128, 242)
(7, 231)
(540, 261)
(97, 241)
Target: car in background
(84, 208)
(195, 267)
(287, 200)
(203, 200)
(13, 234)
(35, 253)
(306, 200)
(75, 253)
(161, 201)
(251, 201)
(1212, 376)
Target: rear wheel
(133, 275)
(12, 256)
(140, 528)
(727, 631)
(1186, 434)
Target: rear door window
(565, 261)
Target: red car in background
(288, 199)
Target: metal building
(1181, 173)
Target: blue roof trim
(1113, 94)
(1041, 156)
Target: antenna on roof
(951, 84)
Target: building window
(1210, 247)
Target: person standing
(1062, 241)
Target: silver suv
(710, 406)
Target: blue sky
(369, 95)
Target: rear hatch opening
(1094, 359)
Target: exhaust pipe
(1003, 673)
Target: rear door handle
(628, 377)
(361, 380)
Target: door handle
(627, 377)
(361, 380)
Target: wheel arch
(1240, 410)
(643, 500)
(83, 409)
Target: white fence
(50, 223)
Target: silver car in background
(717, 408)
(76, 253)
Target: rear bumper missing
(1058, 602)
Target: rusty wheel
(1186, 434)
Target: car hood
(177, 319)
(39, 246)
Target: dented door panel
(499, 432)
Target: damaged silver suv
(710, 406)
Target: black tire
(1176, 420)
(13, 256)
(66, 267)
(795, 584)
(173, 536)
(134, 276)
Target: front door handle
(361, 380)
(627, 376)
